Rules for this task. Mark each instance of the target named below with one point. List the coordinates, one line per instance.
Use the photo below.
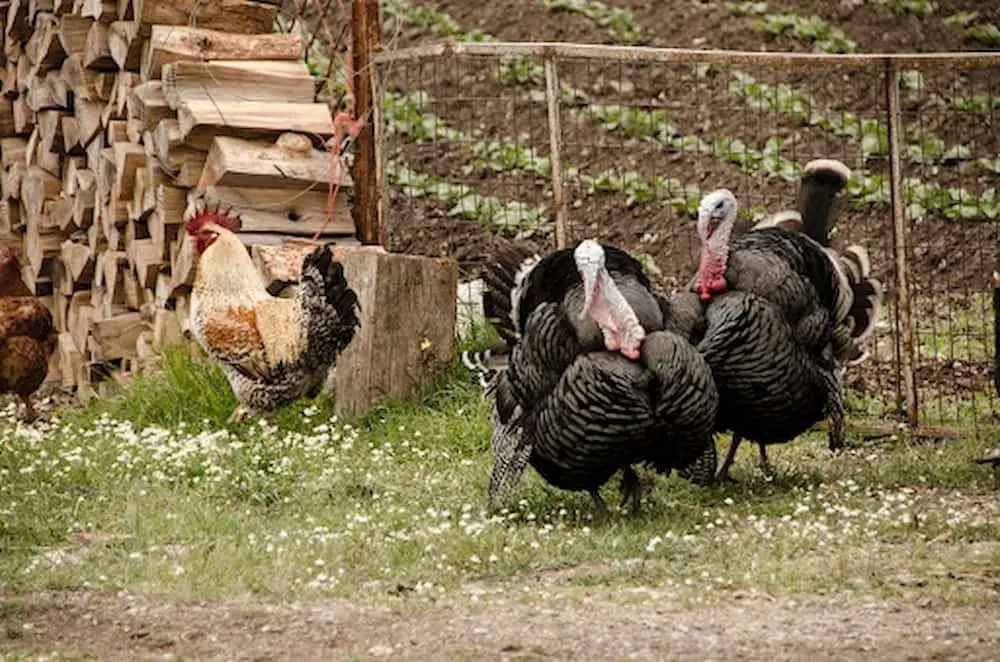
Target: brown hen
(27, 337)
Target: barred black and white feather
(330, 309)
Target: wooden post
(555, 143)
(905, 346)
(365, 35)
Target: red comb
(222, 217)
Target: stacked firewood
(118, 116)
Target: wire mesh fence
(637, 136)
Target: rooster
(272, 350)
(27, 338)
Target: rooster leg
(239, 414)
(603, 514)
(30, 415)
(765, 466)
(723, 474)
(631, 489)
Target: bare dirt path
(130, 626)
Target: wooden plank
(173, 43)
(268, 80)
(201, 121)
(404, 343)
(290, 162)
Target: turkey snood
(605, 303)
(716, 216)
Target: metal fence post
(907, 357)
(555, 145)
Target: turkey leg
(603, 514)
(723, 474)
(631, 489)
(765, 466)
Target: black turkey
(785, 313)
(595, 381)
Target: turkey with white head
(785, 313)
(595, 381)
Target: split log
(281, 211)
(201, 121)
(238, 16)
(173, 43)
(292, 162)
(269, 80)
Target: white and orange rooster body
(272, 350)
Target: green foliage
(516, 218)
(919, 8)
(188, 388)
(987, 34)
(749, 8)
(621, 22)
(983, 105)
(962, 19)
(813, 30)
(317, 507)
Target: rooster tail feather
(330, 308)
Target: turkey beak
(591, 275)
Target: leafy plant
(621, 22)
(980, 104)
(986, 34)
(517, 218)
(962, 19)
(813, 30)
(749, 8)
(902, 7)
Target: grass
(152, 491)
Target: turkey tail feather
(858, 312)
(330, 307)
(502, 276)
(822, 182)
(486, 365)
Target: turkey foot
(631, 489)
(29, 415)
(722, 475)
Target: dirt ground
(130, 626)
